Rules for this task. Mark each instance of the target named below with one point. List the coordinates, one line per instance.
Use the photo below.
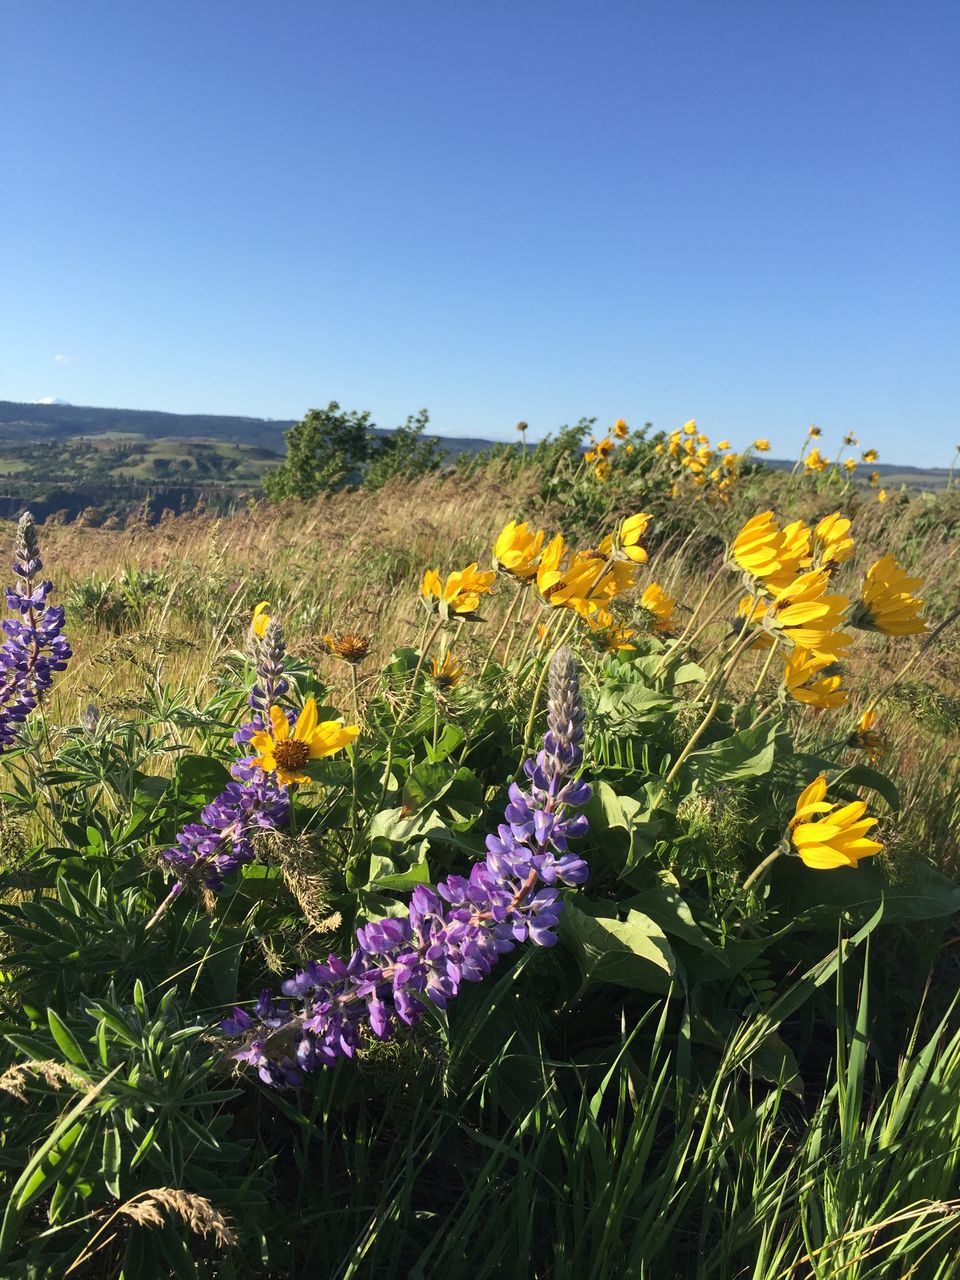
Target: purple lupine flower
(223, 839)
(448, 936)
(33, 647)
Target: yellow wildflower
(869, 455)
(659, 606)
(626, 540)
(602, 469)
(517, 550)
(761, 445)
(850, 438)
(284, 751)
(804, 614)
(850, 464)
(805, 681)
(814, 433)
(751, 611)
(867, 737)
(261, 619)
(448, 674)
(724, 444)
(874, 478)
(620, 429)
(887, 602)
(765, 551)
(882, 495)
(461, 592)
(815, 461)
(830, 835)
(832, 544)
(690, 428)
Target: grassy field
(737, 1060)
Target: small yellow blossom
(814, 433)
(867, 737)
(659, 606)
(690, 428)
(826, 835)
(461, 592)
(517, 549)
(849, 464)
(887, 603)
(448, 674)
(882, 495)
(869, 455)
(261, 619)
(762, 445)
(620, 429)
(602, 469)
(284, 751)
(723, 445)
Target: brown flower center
(291, 754)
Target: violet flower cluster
(449, 936)
(222, 840)
(33, 647)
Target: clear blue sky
(743, 211)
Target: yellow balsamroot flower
(626, 540)
(869, 455)
(460, 593)
(815, 461)
(620, 429)
(751, 611)
(832, 544)
(887, 602)
(731, 461)
(826, 835)
(659, 448)
(602, 469)
(284, 751)
(261, 619)
(761, 445)
(804, 614)
(659, 606)
(874, 478)
(814, 433)
(629, 448)
(611, 636)
(850, 438)
(517, 550)
(882, 495)
(690, 428)
(724, 444)
(866, 737)
(805, 681)
(765, 551)
(849, 464)
(446, 674)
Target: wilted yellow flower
(805, 681)
(460, 593)
(866, 737)
(521, 427)
(832, 544)
(869, 455)
(448, 674)
(887, 602)
(349, 645)
(620, 429)
(284, 751)
(761, 445)
(830, 835)
(659, 606)
(517, 550)
(804, 614)
(261, 619)
(814, 433)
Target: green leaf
(747, 754)
(862, 775)
(66, 1040)
(633, 952)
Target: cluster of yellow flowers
(601, 452)
(789, 573)
(815, 463)
(692, 460)
(586, 582)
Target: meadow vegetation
(541, 868)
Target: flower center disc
(292, 754)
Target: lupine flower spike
(33, 647)
(449, 936)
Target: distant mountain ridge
(60, 421)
